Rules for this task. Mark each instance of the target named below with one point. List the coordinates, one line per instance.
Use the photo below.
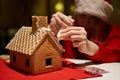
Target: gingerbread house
(35, 49)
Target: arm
(106, 53)
(96, 51)
(109, 52)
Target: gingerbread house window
(27, 62)
(14, 58)
(48, 62)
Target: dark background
(17, 13)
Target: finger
(72, 31)
(75, 44)
(68, 20)
(53, 28)
(75, 38)
(66, 36)
(79, 43)
(53, 21)
(60, 23)
(72, 28)
(62, 37)
(70, 16)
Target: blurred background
(17, 13)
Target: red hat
(109, 1)
(99, 8)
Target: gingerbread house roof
(25, 42)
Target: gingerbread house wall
(46, 58)
(47, 52)
(21, 61)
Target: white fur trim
(98, 8)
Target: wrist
(90, 49)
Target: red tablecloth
(67, 73)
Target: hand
(58, 21)
(78, 36)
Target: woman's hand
(60, 21)
(78, 36)
(63, 26)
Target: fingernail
(72, 20)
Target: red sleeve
(109, 52)
(105, 54)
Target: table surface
(112, 68)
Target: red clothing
(108, 52)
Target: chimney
(39, 22)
